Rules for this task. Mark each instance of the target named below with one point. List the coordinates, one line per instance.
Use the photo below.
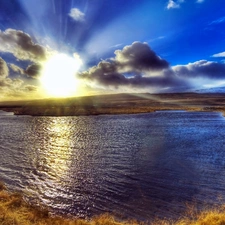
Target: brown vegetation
(211, 216)
(15, 211)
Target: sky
(61, 48)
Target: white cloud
(76, 14)
(221, 54)
(220, 20)
(172, 5)
(175, 4)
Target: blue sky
(124, 45)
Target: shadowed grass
(15, 211)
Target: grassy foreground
(15, 211)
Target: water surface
(136, 166)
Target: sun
(58, 75)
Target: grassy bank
(15, 211)
(212, 216)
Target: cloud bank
(138, 66)
(203, 69)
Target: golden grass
(210, 216)
(15, 211)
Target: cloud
(5, 81)
(4, 70)
(10, 87)
(30, 88)
(138, 57)
(16, 68)
(21, 45)
(33, 70)
(76, 15)
(220, 20)
(173, 5)
(201, 69)
(17, 89)
(221, 54)
(136, 65)
(14, 88)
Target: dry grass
(211, 216)
(15, 211)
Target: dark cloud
(139, 57)
(202, 68)
(165, 80)
(138, 66)
(21, 45)
(33, 70)
(144, 67)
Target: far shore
(117, 104)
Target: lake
(134, 166)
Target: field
(117, 104)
